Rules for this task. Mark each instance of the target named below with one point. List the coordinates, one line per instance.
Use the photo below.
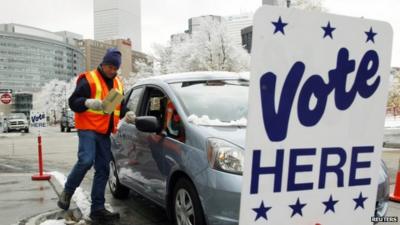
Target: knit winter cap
(112, 57)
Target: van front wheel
(118, 190)
(186, 204)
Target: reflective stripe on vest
(95, 120)
(99, 90)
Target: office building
(118, 19)
(30, 57)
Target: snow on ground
(7, 135)
(79, 197)
(206, 121)
(53, 222)
(392, 122)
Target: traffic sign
(6, 98)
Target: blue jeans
(94, 148)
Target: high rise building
(179, 38)
(271, 2)
(94, 52)
(118, 19)
(196, 22)
(247, 36)
(31, 57)
(234, 25)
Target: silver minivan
(186, 149)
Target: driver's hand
(130, 117)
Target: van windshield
(217, 102)
(16, 116)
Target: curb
(391, 145)
(73, 216)
(7, 135)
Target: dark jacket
(82, 92)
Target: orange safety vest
(94, 120)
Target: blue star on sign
(370, 35)
(328, 30)
(359, 201)
(330, 205)
(279, 26)
(297, 208)
(261, 211)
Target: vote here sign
(318, 90)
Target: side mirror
(147, 124)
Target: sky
(161, 18)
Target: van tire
(185, 187)
(118, 190)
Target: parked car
(190, 165)
(67, 121)
(16, 122)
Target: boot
(64, 200)
(103, 215)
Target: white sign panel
(38, 119)
(318, 91)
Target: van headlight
(225, 156)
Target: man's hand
(94, 104)
(130, 117)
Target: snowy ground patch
(79, 196)
(392, 122)
(8, 135)
(53, 222)
(82, 201)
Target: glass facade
(22, 103)
(28, 62)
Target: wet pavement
(18, 155)
(392, 138)
(20, 197)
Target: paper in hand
(111, 101)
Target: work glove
(94, 104)
(130, 117)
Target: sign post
(318, 90)
(38, 120)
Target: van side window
(133, 101)
(173, 124)
(161, 107)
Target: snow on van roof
(201, 75)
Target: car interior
(156, 105)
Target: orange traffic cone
(396, 194)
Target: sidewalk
(391, 137)
(27, 202)
(18, 191)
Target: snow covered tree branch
(209, 48)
